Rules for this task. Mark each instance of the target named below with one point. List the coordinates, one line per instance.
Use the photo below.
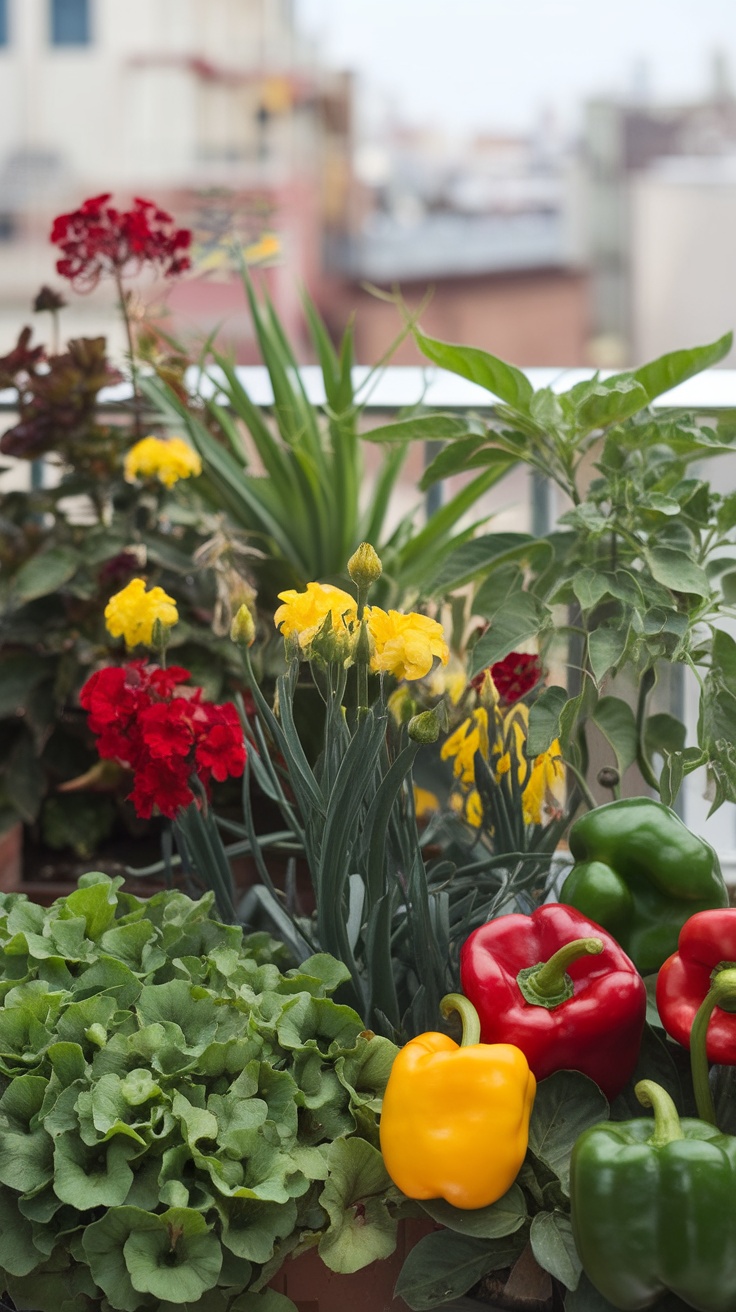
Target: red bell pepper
(559, 987)
(696, 996)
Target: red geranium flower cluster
(514, 676)
(98, 239)
(163, 732)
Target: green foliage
(642, 561)
(176, 1113)
(64, 550)
(291, 479)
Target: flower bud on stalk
(243, 628)
(364, 567)
(425, 727)
(160, 636)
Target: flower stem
(123, 302)
(362, 654)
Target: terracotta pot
(308, 1282)
(11, 857)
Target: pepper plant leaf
(554, 1247)
(501, 1218)
(502, 380)
(617, 722)
(445, 1265)
(566, 1104)
(666, 372)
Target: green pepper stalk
(548, 983)
(468, 1016)
(722, 993)
(667, 1127)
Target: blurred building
(661, 207)
(216, 109)
(489, 230)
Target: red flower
(514, 676)
(164, 732)
(160, 784)
(98, 239)
(221, 749)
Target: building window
(70, 25)
(3, 22)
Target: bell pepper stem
(667, 1125)
(467, 1013)
(547, 984)
(722, 993)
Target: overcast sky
(493, 64)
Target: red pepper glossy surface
(707, 941)
(596, 1030)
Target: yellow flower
(546, 784)
(474, 809)
(469, 738)
(268, 247)
(468, 805)
(401, 705)
(303, 613)
(453, 681)
(425, 802)
(168, 461)
(405, 645)
(132, 613)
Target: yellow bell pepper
(455, 1119)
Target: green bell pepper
(640, 873)
(652, 1208)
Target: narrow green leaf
(502, 380)
(667, 371)
(443, 520)
(427, 428)
(457, 457)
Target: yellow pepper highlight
(455, 1119)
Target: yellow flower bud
(243, 629)
(364, 566)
